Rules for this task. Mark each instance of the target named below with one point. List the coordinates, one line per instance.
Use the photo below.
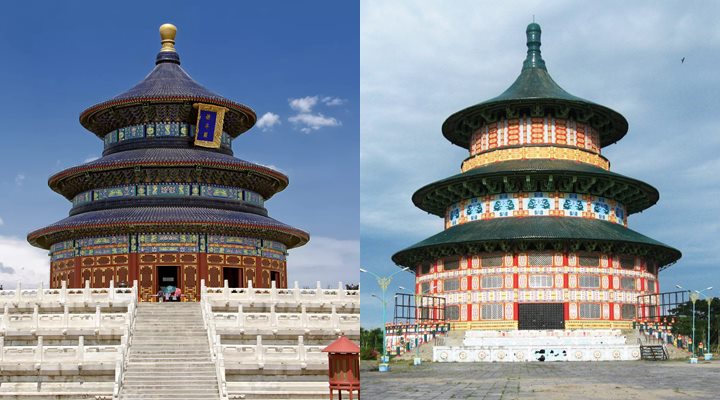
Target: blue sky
(298, 61)
(422, 61)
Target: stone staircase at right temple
(671, 352)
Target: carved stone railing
(259, 355)
(41, 355)
(37, 323)
(317, 297)
(272, 322)
(125, 342)
(85, 297)
(216, 353)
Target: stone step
(173, 397)
(283, 395)
(164, 373)
(169, 355)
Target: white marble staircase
(169, 356)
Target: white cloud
(2, 222)
(22, 263)
(90, 159)
(267, 121)
(313, 122)
(19, 179)
(325, 259)
(304, 104)
(333, 101)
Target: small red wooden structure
(343, 367)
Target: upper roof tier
(534, 93)
(166, 94)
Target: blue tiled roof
(170, 217)
(167, 79)
(166, 94)
(171, 156)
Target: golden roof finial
(167, 34)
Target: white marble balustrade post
(273, 317)
(240, 319)
(86, 292)
(35, 317)
(303, 316)
(302, 356)
(63, 292)
(97, 317)
(319, 295)
(18, 293)
(2, 348)
(66, 317)
(259, 351)
(39, 350)
(334, 318)
(226, 291)
(6, 318)
(273, 292)
(39, 293)
(296, 292)
(81, 350)
(111, 291)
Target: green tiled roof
(535, 93)
(535, 175)
(560, 233)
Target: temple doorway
(541, 316)
(275, 276)
(167, 276)
(233, 276)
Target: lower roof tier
(168, 219)
(521, 234)
(157, 165)
(535, 175)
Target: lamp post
(383, 282)
(694, 296)
(708, 353)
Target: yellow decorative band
(535, 152)
(500, 325)
(584, 324)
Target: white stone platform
(551, 345)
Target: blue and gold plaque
(209, 125)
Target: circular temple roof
(167, 219)
(507, 234)
(534, 93)
(535, 175)
(66, 182)
(166, 94)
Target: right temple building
(536, 233)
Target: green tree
(370, 343)
(683, 321)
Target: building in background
(536, 225)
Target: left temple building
(167, 203)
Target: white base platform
(534, 345)
(623, 352)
